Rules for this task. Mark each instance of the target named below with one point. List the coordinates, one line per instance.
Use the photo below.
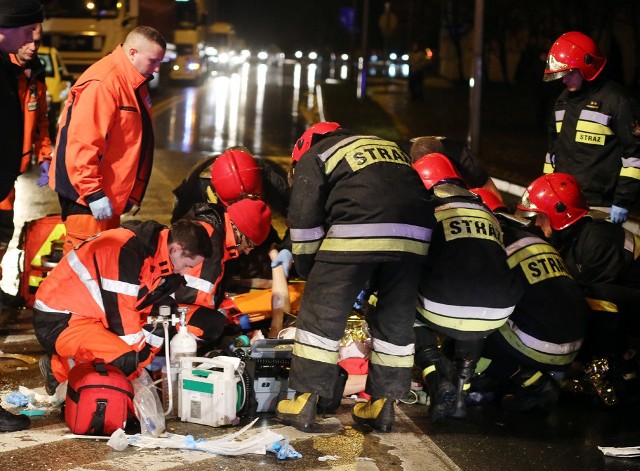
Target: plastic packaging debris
(17, 399)
(329, 458)
(225, 445)
(620, 452)
(33, 402)
(283, 450)
(118, 440)
(148, 406)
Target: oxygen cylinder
(183, 344)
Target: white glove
(101, 209)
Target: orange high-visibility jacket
(105, 141)
(33, 97)
(108, 277)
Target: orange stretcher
(256, 305)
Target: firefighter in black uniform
(594, 133)
(603, 258)
(545, 331)
(358, 215)
(466, 290)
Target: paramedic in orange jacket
(95, 302)
(104, 151)
(32, 91)
(244, 225)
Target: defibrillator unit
(211, 390)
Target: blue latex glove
(44, 173)
(618, 214)
(284, 258)
(17, 399)
(101, 209)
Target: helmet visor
(551, 76)
(526, 214)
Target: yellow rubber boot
(376, 413)
(300, 412)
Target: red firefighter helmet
(574, 50)
(490, 199)
(235, 174)
(558, 196)
(252, 218)
(307, 139)
(435, 168)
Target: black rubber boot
(12, 423)
(531, 389)
(436, 376)
(464, 371)
(50, 381)
(442, 394)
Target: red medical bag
(99, 399)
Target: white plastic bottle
(183, 344)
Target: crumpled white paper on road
(620, 452)
(227, 445)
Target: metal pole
(362, 61)
(475, 95)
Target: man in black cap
(18, 20)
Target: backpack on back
(41, 243)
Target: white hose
(167, 353)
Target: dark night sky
(297, 24)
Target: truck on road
(84, 31)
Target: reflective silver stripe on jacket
(343, 143)
(543, 345)
(40, 306)
(595, 117)
(199, 283)
(134, 339)
(85, 277)
(380, 230)
(522, 243)
(305, 235)
(120, 287)
(152, 339)
(465, 312)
